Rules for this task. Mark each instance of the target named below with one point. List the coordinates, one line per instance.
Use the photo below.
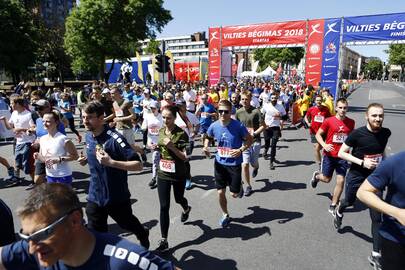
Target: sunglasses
(223, 111)
(46, 232)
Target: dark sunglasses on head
(223, 111)
(46, 232)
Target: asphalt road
(284, 224)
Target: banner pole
(305, 51)
(338, 90)
(220, 53)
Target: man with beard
(367, 146)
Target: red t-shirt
(317, 117)
(336, 133)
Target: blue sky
(191, 16)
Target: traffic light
(162, 63)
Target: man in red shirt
(314, 118)
(335, 130)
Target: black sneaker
(184, 215)
(271, 165)
(152, 183)
(375, 261)
(30, 186)
(314, 181)
(145, 241)
(163, 245)
(337, 218)
(254, 173)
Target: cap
(42, 103)
(106, 91)
(146, 91)
(153, 104)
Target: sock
(375, 254)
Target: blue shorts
(22, 157)
(64, 180)
(330, 164)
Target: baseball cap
(106, 91)
(42, 103)
(146, 91)
(153, 104)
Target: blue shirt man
(205, 112)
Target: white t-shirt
(255, 102)
(190, 97)
(153, 124)
(54, 147)
(265, 97)
(181, 124)
(22, 120)
(270, 111)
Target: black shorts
(39, 168)
(228, 176)
(313, 138)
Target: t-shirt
(54, 147)
(269, 110)
(251, 118)
(336, 133)
(172, 167)
(128, 95)
(65, 108)
(107, 184)
(317, 116)
(153, 124)
(22, 120)
(228, 137)
(110, 252)
(7, 234)
(137, 101)
(190, 98)
(205, 116)
(122, 109)
(367, 144)
(391, 174)
(264, 97)
(193, 120)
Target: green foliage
(274, 56)
(373, 69)
(396, 54)
(153, 47)
(18, 38)
(101, 29)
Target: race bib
(154, 131)
(377, 157)
(251, 131)
(167, 165)
(224, 152)
(119, 113)
(339, 137)
(319, 118)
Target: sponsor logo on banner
(330, 61)
(314, 49)
(214, 62)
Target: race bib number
(377, 157)
(251, 131)
(204, 115)
(319, 118)
(167, 165)
(154, 131)
(224, 152)
(339, 137)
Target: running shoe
(189, 184)
(225, 220)
(184, 215)
(248, 191)
(30, 186)
(314, 181)
(163, 245)
(152, 183)
(375, 261)
(337, 218)
(254, 173)
(241, 192)
(332, 209)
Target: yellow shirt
(304, 103)
(328, 102)
(214, 97)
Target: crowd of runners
(230, 119)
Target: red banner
(188, 72)
(264, 34)
(313, 61)
(214, 55)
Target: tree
(153, 47)
(373, 69)
(18, 38)
(397, 56)
(101, 29)
(274, 56)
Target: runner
(110, 157)
(314, 118)
(335, 130)
(233, 139)
(367, 145)
(272, 117)
(64, 105)
(172, 171)
(206, 113)
(253, 121)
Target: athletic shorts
(23, 157)
(272, 133)
(228, 176)
(352, 184)
(203, 130)
(330, 164)
(313, 138)
(251, 155)
(128, 135)
(39, 168)
(64, 180)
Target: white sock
(375, 254)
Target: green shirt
(252, 119)
(180, 140)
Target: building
(53, 12)
(351, 63)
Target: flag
(140, 69)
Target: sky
(190, 16)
